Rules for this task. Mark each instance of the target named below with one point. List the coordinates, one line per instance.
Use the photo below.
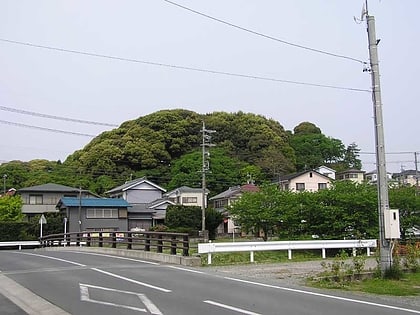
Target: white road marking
(53, 258)
(84, 296)
(326, 296)
(117, 257)
(232, 308)
(131, 280)
(185, 269)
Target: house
(324, 170)
(44, 198)
(309, 180)
(145, 197)
(187, 196)
(353, 175)
(372, 177)
(222, 201)
(407, 177)
(94, 214)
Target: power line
(46, 129)
(247, 76)
(264, 35)
(25, 112)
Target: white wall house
(309, 180)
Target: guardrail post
(173, 244)
(289, 253)
(251, 256)
(101, 240)
(114, 240)
(147, 243)
(78, 239)
(354, 252)
(324, 255)
(129, 240)
(209, 258)
(368, 251)
(159, 244)
(88, 240)
(186, 246)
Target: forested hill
(165, 146)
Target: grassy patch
(408, 285)
(222, 259)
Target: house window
(322, 186)
(189, 200)
(300, 186)
(95, 213)
(220, 203)
(35, 199)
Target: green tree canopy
(11, 209)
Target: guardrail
(323, 245)
(176, 243)
(20, 244)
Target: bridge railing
(251, 247)
(160, 242)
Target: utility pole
(4, 183)
(383, 201)
(206, 144)
(417, 172)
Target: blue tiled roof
(93, 202)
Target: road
(71, 282)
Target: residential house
(407, 177)
(187, 196)
(324, 170)
(354, 175)
(222, 201)
(309, 180)
(44, 198)
(145, 198)
(94, 214)
(372, 177)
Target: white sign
(42, 220)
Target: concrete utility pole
(383, 201)
(417, 172)
(206, 144)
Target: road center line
(131, 280)
(116, 257)
(185, 269)
(325, 296)
(232, 308)
(53, 258)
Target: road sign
(42, 220)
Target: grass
(408, 285)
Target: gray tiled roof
(50, 187)
(133, 183)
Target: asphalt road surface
(71, 282)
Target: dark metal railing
(160, 242)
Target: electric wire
(179, 67)
(264, 35)
(25, 112)
(5, 122)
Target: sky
(155, 40)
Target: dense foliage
(346, 210)
(11, 209)
(165, 146)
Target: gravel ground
(294, 274)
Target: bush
(16, 231)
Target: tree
(256, 211)
(405, 199)
(183, 217)
(11, 209)
(213, 220)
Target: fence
(20, 244)
(323, 245)
(147, 241)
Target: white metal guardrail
(323, 245)
(19, 244)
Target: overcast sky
(112, 91)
